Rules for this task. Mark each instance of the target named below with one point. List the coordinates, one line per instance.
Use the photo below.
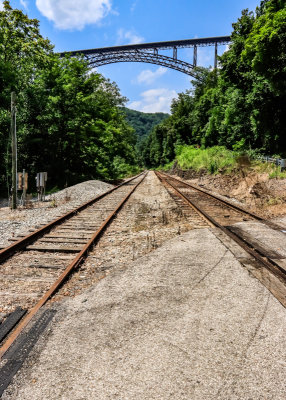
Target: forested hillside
(143, 123)
(69, 120)
(241, 105)
(72, 122)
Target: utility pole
(24, 187)
(14, 150)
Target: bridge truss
(149, 53)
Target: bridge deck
(220, 40)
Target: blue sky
(82, 24)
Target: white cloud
(148, 76)
(226, 48)
(154, 100)
(133, 6)
(1, 6)
(24, 4)
(128, 37)
(74, 14)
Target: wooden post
(14, 151)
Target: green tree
(69, 119)
(75, 124)
(241, 102)
(21, 48)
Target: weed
(54, 202)
(274, 201)
(276, 173)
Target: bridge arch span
(146, 57)
(149, 53)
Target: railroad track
(35, 266)
(224, 212)
(224, 215)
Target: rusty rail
(75, 263)
(258, 255)
(225, 202)
(20, 244)
(186, 200)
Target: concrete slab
(185, 322)
(262, 234)
(281, 221)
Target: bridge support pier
(215, 60)
(195, 59)
(175, 53)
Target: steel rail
(230, 205)
(258, 255)
(74, 264)
(22, 243)
(186, 200)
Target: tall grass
(219, 159)
(213, 159)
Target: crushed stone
(15, 222)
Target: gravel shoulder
(185, 322)
(15, 222)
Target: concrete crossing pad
(185, 322)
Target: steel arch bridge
(149, 53)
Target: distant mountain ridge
(143, 123)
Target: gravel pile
(13, 223)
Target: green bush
(277, 174)
(166, 167)
(122, 170)
(212, 159)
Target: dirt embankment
(264, 196)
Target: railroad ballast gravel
(16, 222)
